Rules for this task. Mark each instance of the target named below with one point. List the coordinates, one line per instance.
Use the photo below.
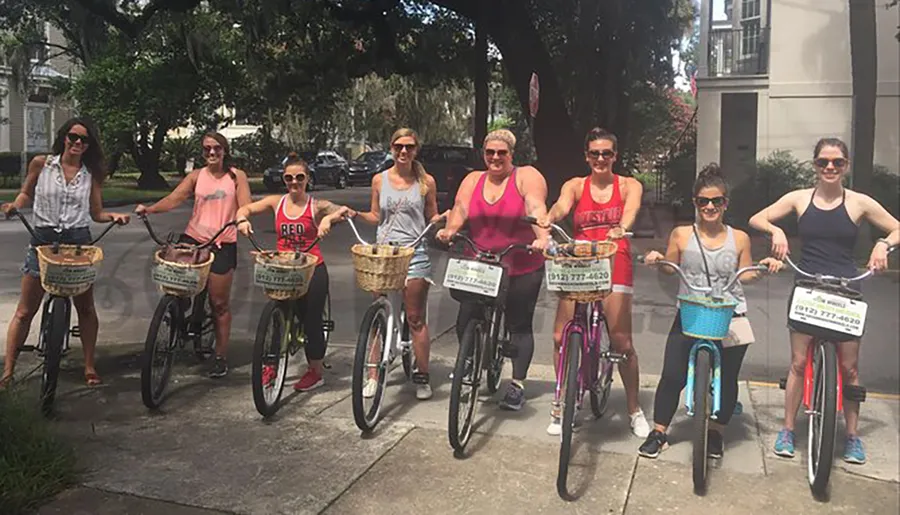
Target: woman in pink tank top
(494, 202)
(218, 190)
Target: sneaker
(514, 398)
(639, 425)
(370, 388)
(784, 444)
(269, 375)
(715, 446)
(423, 388)
(655, 443)
(219, 368)
(555, 427)
(854, 452)
(310, 381)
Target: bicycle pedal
(612, 357)
(75, 331)
(782, 383)
(854, 393)
(328, 325)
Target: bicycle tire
(204, 327)
(602, 377)
(408, 358)
(495, 368)
(472, 344)
(700, 465)
(55, 324)
(820, 446)
(328, 323)
(570, 397)
(367, 419)
(152, 395)
(275, 317)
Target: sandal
(92, 379)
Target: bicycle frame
(591, 336)
(716, 385)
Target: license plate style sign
(590, 276)
(473, 277)
(828, 311)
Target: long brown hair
(417, 167)
(92, 158)
(226, 151)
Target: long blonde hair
(418, 169)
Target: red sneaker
(310, 381)
(269, 375)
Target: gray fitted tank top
(722, 263)
(402, 213)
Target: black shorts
(225, 256)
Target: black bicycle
(66, 271)
(483, 280)
(182, 314)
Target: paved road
(126, 298)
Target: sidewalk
(208, 451)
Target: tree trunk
(585, 46)
(114, 159)
(482, 76)
(864, 66)
(146, 156)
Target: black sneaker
(655, 443)
(514, 398)
(715, 447)
(219, 369)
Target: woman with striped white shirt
(65, 191)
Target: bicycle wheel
(270, 357)
(55, 326)
(822, 418)
(203, 326)
(702, 372)
(602, 377)
(159, 350)
(408, 357)
(570, 398)
(367, 358)
(464, 387)
(495, 366)
(327, 322)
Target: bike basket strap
(381, 268)
(471, 280)
(180, 278)
(704, 318)
(71, 271)
(284, 275)
(827, 312)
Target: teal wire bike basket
(704, 318)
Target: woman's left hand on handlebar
(616, 233)
(120, 218)
(774, 265)
(653, 257)
(444, 236)
(324, 228)
(8, 208)
(878, 261)
(244, 226)
(540, 243)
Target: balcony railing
(739, 52)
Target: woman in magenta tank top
(606, 206)
(493, 202)
(218, 190)
(299, 220)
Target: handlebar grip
(529, 220)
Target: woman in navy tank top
(828, 218)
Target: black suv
(449, 165)
(364, 167)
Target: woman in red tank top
(299, 220)
(494, 202)
(606, 206)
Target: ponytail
(420, 176)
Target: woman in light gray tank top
(710, 253)
(404, 200)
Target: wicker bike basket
(180, 276)
(71, 271)
(381, 268)
(705, 318)
(284, 275)
(581, 254)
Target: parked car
(331, 168)
(364, 167)
(449, 165)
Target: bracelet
(883, 240)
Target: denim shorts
(77, 235)
(420, 266)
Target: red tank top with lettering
(296, 233)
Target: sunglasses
(716, 201)
(212, 149)
(399, 147)
(499, 153)
(605, 154)
(288, 178)
(75, 137)
(822, 162)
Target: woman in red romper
(606, 206)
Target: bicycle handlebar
(42, 241)
(706, 289)
(562, 232)
(413, 244)
(832, 278)
(481, 253)
(259, 248)
(146, 220)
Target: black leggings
(313, 306)
(674, 376)
(520, 303)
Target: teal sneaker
(784, 444)
(854, 452)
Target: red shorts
(623, 271)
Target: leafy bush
(774, 176)
(886, 189)
(35, 464)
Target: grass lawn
(123, 189)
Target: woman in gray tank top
(709, 252)
(404, 200)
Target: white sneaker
(423, 392)
(639, 425)
(555, 427)
(370, 388)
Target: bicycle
(706, 319)
(825, 307)
(285, 278)
(183, 313)
(66, 271)
(581, 271)
(483, 280)
(380, 269)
